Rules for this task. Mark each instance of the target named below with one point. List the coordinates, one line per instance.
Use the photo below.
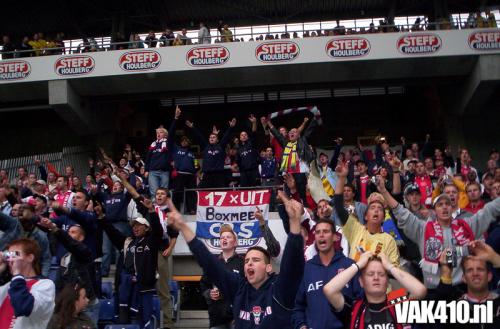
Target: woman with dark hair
(68, 313)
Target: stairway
(192, 320)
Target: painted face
(256, 269)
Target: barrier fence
(96, 44)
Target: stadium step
(192, 320)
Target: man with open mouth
(312, 309)
(262, 299)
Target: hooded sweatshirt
(312, 309)
(271, 305)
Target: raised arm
(481, 221)
(41, 169)
(78, 249)
(308, 131)
(227, 134)
(411, 225)
(300, 129)
(197, 134)
(333, 289)
(273, 246)
(336, 153)
(396, 175)
(171, 130)
(281, 140)
(338, 198)
(292, 262)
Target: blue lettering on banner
(244, 230)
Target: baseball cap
(411, 187)
(140, 220)
(41, 182)
(440, 197)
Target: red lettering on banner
(485, 40)
(233, 198)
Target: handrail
(105, 46)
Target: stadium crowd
(39, 45)
(359, 225)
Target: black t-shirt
(376, 317)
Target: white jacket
(40, 313)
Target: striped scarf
(290, 161)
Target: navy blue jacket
(213, 155)
(312, 309)
(183, 157)
(268, 167)
(158, 158)
(247, 155)
(271, 305)
(115, 205)
(87, 220)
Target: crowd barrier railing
(100, 45)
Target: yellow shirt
(463, 199)
(358, 236)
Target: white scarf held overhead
(313, 109)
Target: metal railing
(92, 45)
(76, 156)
